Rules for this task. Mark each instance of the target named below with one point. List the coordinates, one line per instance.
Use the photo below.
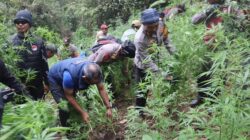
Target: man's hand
(85, 117)
(109, 113)
(69, 96)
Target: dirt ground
(122, 102)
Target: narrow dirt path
(122, 102)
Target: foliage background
(170, 117)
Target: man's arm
(69, 95)
(198, 18)
(169, 46)
(104, 95)
(172, 12)
(9, 80)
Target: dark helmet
(23, 15)
(51, 47)
(216, 1)
(181, 8)
(128, 49)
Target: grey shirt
(142, 58)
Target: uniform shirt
(33, 55)
(68, 82)
(68, 74)
(100, 36)
(142, 58)
(106, 53)
(211, 18)
(163, 38)
(142, 43)
(7, 79)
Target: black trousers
(1, 117)
(58, 95)
(141, 96)
(35, 88)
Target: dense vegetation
(224, 117)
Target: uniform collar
(22, 35)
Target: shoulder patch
(34, 47)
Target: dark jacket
(75, 67)
(7, 79)
(33, 55)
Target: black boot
(64, 115)
(140, 103)
(197, 101)
(1, 117)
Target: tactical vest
(30, 51)
(75, 67)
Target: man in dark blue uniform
(70, 75)
(7, 79)
(32, 52)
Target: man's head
(150, 19)
(51, 50)
(128, 49)
(66, 41)
(181, 8)
(23, 21)
(92, 73)
(136, 24)
(162, 15)
(104, 29)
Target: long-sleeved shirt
(142, 58)
(33, 55)
(7, 79)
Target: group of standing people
(64, 79)
(68, 76)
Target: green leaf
(147, 137)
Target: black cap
(23, 15)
